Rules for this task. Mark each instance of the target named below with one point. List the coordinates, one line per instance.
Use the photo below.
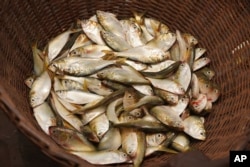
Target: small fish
(129, 141)
(155, 139)
(165, 72)
(130, 98)
(141, 148)
(100, 125)
(78, 96)
(29, 81)
(145, 100)
(199, 104)
(70, 139)
(40, 89)
(104, 157)
(199, 52)
(115, 42)
(181, 143)
(143, 54)
(104, 101)
(114, 135)
(89, 51)
(81, 41)
(121, 75)
(159, 66)
(144, 89)
(183, 75)
(89, 115)
(167, 85)
(133, 32)
(44, 116)
(167, 117)
(93, 31)
(155, 27)
(80, 66)
(113, 85)
(163, 41)
(111, 110)
(89, 134)
(201, 62)
(110, 23)
(194, 127)
(56, 44)
(168, 97)
(143, 125)
(73, 120)
(209, 73)
(194, 86)
(135, 64)
(37, 60)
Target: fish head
(194, 126)
(53, 67)
(36, 99)
(59, 135)
(214, 94)
(209, 73)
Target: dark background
(16, 150)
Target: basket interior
(223, 28)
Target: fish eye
(216, 90)
(207, 85)
(209, 72)
(202, 133)
(159, 135)
(99, 134)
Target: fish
(89, 134)
(183, 75)
(168, 97)
(199, 52)
(110, 23)
(144, 89)
(80, 66)
(167, 85)
(165, 73)
(130, 97)
(120, 75)
(70, 139)
(163, 41)
(145, 100)
(155, 27)
(89, 115)
(89, 51)
(143, 54)
(181, 143)
(73, 120)
(143, 125)
(44, 116)
(111, 110)
(100, 125)
(81, 41)
(115, 42)
(194, 86)
(92, 30)
(167, 117)
(159, 66)
(141, 149)
(209, 73)
(155, 139)
(194, 127)
(103, 157)
(38, 61)
(56, 44)
(199, 104)
(201, 62)
(29, 81)
(114, 135)
(133, 33)
(78, 96)
(40, 89)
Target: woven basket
(222, 27)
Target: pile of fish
(115, 91)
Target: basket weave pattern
(222, 27)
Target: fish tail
(138, 16)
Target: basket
(222, 27)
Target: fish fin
(168, 150)
(109, 55)
(139, 17)
(85, 85)
(121, 61)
